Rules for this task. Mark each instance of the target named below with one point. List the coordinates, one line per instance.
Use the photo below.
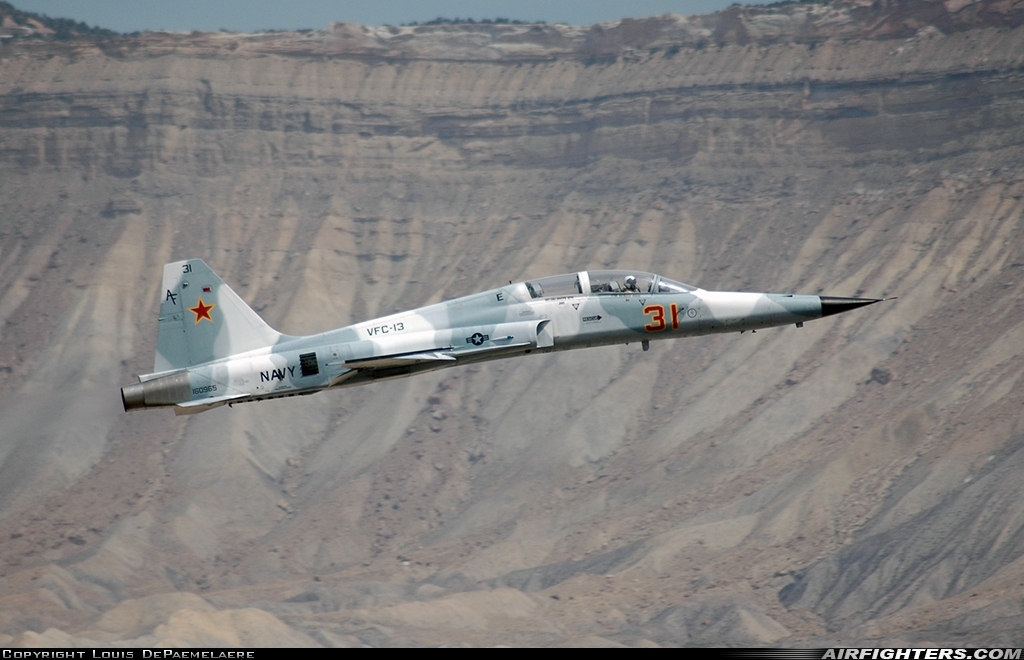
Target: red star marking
(202, 311)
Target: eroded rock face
(850, 481)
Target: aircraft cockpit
(604, 282)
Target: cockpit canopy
(601, 282)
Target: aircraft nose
(836, 305)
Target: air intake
(308, 364)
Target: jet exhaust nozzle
(157, 393)
(836, 305)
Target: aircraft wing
(478, 343)
(435, 355)
(402, 359)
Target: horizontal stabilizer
(201, 405)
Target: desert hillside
(853, 481)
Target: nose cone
(835, 305)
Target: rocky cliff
(855, 481)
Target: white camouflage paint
(213, 349)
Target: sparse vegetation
(786, 3)
(62, 29)
(469, 21)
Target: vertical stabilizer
(202, 319)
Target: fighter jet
(213, 349)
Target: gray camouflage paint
(212, 348)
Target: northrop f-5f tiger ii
(213, 349)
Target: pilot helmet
(630, 281)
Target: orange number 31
(657, 314)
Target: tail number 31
(658, 320)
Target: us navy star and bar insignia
(202, 311)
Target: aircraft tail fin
(202, 319)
